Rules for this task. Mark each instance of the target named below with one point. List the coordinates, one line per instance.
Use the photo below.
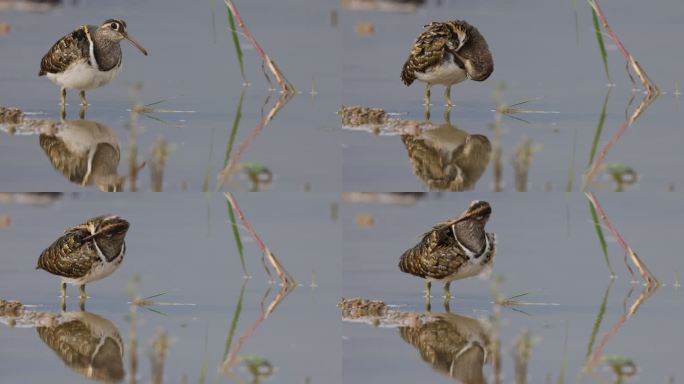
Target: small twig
(285, 85)
(648, 277)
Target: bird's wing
(66, 51)
(67, 256)
(430, 47)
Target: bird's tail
(410, 262)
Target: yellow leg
(62, 103)
(82, 111)
(81, 303)
(62, 290)
(447, 115)
(83, 292)
(83, 99)
(427, 94)
(447, 96)
(447, 293)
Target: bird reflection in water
(454, 345)
(87, 343)
(447, 158)
(86, 153)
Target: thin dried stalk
(648, 277)
(650, 87)
(285, 85)
(285, 277)
(521, 356)
(160, 347)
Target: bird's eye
(478, 218)
(115, 26)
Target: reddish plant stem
(648, 277)
(285, 85)
(650, 87)
(285, 277)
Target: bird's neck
(107, 52)
(111, 247)
(471, 235)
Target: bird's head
(478, 211)
(115, 29)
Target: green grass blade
(157, 295)
(205, 359)
(213, 19)
(599, 128)
(236, 42)
(599, 318)
(564, 360)
(571, 168)
(238, 240)
(233, 323)
(205, 182)
(602, 240)
(234, 129)
(599, 39)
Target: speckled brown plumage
(75, 254)
(66, 51)
(87, 343)
(453, 40)
(454, 249)
(72, 255)
(453, 345)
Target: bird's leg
(62, 104)
(447, 115)
(447, 293)
(427, 94)
(62, 296)
(428, 285)
(447, 308)
(428, 306)
(447, 96)
(83, 295)
(81, 112)
(83, 99)
(81, 303)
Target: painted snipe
(87, 252)
(453, 250)
(448, 53)
(87, 58)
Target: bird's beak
(136, 44)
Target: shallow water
(193, 67)
(547, 247)
(182, 245)
(542, 57)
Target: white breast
(447, 73)
(83, 77)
